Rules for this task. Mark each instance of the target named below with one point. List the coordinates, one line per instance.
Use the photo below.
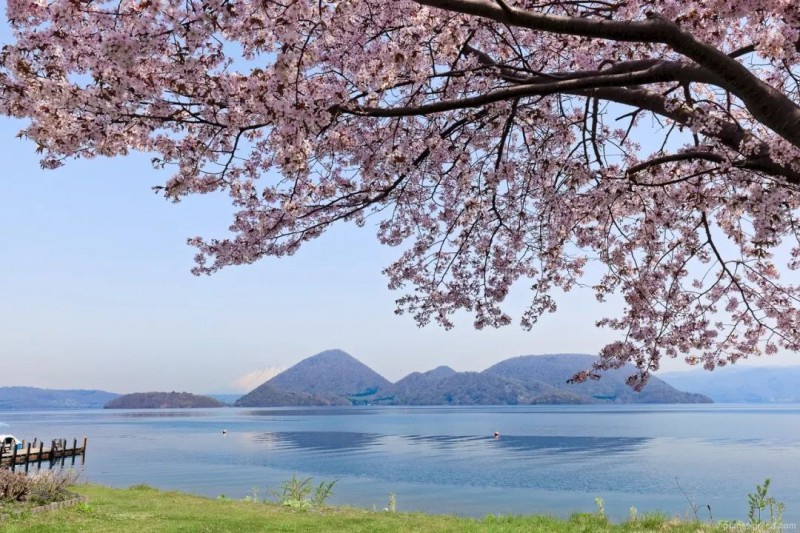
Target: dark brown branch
(767, 105)
(729, 133)
(660, 73)
(674, 158)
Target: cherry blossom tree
(497, 142)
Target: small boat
(9, 442)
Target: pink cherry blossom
(656, 142)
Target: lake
(548, 459)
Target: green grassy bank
(142, 509)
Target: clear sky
(95, 291)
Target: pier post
(41, 449)
(27, 457)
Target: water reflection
(564, 444)
(528, 444)
(442, 441)
(321, 440)
(159, 413)
(310, 411)
(335, 441)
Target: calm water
(548, 459)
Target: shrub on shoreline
(19, 490)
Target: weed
(51, 485)
(14, 486)
(600, 504)
(85, 508)
(296, 493)
(652, 521)
(392, 503)
(693, 505)
(759, 501)
(322, 492)
(42, 487)
(253, 496)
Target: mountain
(336, 378)
(458, 388)
(34, 398)
(268, 395)
(555, 370)
(332, 377)
(330, 372)
(735, 384)
(417, 388)
(438, 373)
(162, 400)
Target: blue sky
(95, 291)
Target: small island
(162, 400)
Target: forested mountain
(741, 384)
(271, 396)
(162, 400)
(459, 388)
(36, 398)
(555, 370)
(336, 378)
(330, 372)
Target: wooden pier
(35, 453)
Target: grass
(142, 509)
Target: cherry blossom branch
(658, 73)
(673, 158)
(767, 105)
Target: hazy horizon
(251, 380)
